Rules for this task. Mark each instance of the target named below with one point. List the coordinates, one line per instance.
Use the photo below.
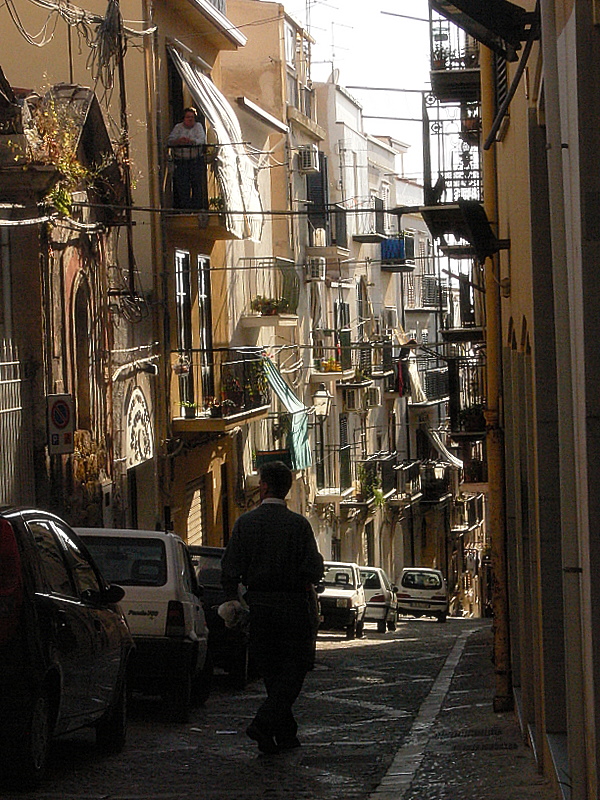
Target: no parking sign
(61, 423)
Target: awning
(436, 441)
(235, 171)
(298, 437)
(498, 24)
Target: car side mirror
(111, 594)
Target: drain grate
(470, 747)
(469, 732)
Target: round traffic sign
(60, 414)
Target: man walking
(273, 553)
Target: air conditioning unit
(353, 399)
(373, 397)
(316, 269)
(308, 158)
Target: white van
(423, 593)
(163, 610)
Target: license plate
(420, 605)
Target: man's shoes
(288, 744)
(266, 744)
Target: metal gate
(16, 435)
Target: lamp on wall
(322, 402)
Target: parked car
(228, 646)
(423, 593)
(163, 609)
(342, 599)
(64, 644)
(382, 604)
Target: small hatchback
(423, 593)
(163, 610)
(64, 644)
(342, 599)
(382, 605)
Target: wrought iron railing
(220, 383)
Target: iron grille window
(345, 461)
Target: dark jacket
(272, 549)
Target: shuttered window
(197, 502)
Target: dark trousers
(189, 183)
(282, 648)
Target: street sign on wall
(61, 423)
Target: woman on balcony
(187, 140)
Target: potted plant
(268, 306)
(439, 58)
(472, 418)
(188, 408)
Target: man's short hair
(277, 476)
(190, 109)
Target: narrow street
(358, 709)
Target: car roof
(373, 569)
(204, 550)
(422, 569)
(341, 564)
(133, 533)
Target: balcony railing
(334, 469)
(454, 62)
(467, 395)
(370, 220)
(435, 481)
(264, 287)
(408, 479)
(218, 383)
(327, 227)
(398, 253)
(425, 292)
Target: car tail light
(175, 619)
(438, 597)
(377, 598)
(400, 595)
(11, 581)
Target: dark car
(227, 646)
(64, 644)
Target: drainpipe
(580, 739)
(503, 699)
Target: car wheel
(380, 626)
(27, 756)
(360, 629)
(203, 681)
(177, 697)
(351, 630)
(240, 668)
(111, 730)
(441, 617)
(391, 623)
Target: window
(197, 502)
(53, 559)
(183, 302)
(82, 570)
(82, 356)
(205, 324)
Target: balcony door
(183, 303)
(207, 376)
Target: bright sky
(374, 49)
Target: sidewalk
(458, 747)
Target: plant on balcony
(268, 306)
(331, 365)
(472, 418)
(440, 57)
(369, 483)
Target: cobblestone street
(387, 716)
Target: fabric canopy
(298, 443)
(235, 171)
(436, 441)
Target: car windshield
(336, 575)
(208, 570)
(421, 580)
(129, 561)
